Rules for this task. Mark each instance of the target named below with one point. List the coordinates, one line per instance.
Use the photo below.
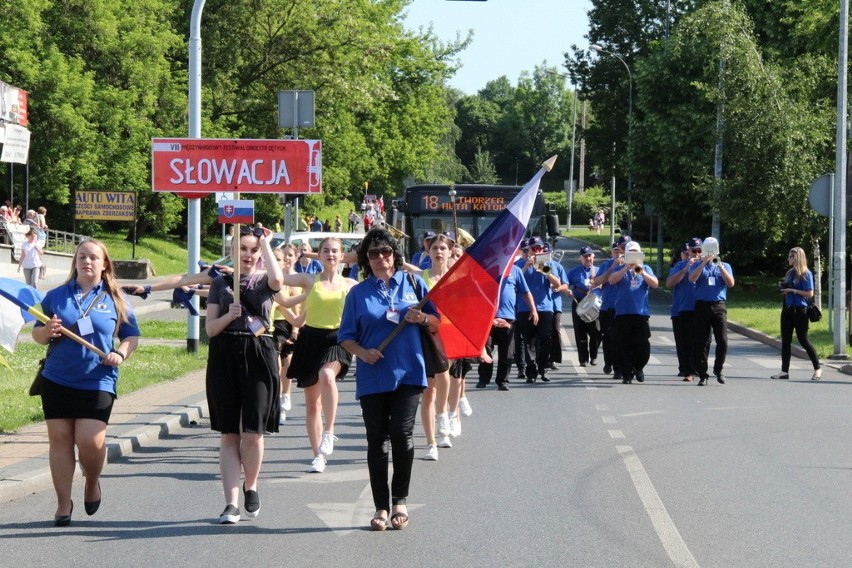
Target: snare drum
(589, 308)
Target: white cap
(711, 241)
(632, 246)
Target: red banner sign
(194, 167)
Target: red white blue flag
(467, 294)
(16, 299)
(236, 211)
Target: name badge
(711, 281)
(392, 316)
(85, 326)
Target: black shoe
(521, 374)
(640, 376)
(63, 520)
(502, 387)
(544, 378)
(607, 369)
(721, 378)
(252, 502)
(617, 376)
(230, 516)
(553, 367)
(481, 385)
(582, 363)
(593, 362)
(702, 381)
(530, 381)
(93, 506)
(626, 381)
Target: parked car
(313, 238)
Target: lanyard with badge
(392, 315)
(84, 323)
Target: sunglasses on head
(246, 230)
(373, 254)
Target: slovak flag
(467, 294)
(236, 211)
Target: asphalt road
(578, 472)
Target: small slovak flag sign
(236, 211)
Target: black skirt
(314, 348)
(58, 401)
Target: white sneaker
(326, 447)
(443, 426)
(283, 417)
(431, 453)
(444, 442)
(455, 426)
(286, 403)
(464, 407)
(318, 465)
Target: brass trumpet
(542, 261)
(638, 269)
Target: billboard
(13, 104)
(193, 167)
(16, 144)
(105, 205)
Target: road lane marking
(646, 413)
(609, 419)
(602, 407)
(616, 434)
(665, 528)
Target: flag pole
(44, 319)
(237, 259)
(546, 166)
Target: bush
(586, 203)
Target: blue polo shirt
(512, 290)
(632, 294)
(683, 294)
(608, 291)
(365, 322)
(422, 260)
(70, 364)
(710, 286)
(805, 284)
(559, 271)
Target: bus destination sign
(463, 203)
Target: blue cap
(623, 240)
(536, 242)
(695, 243)
(584, 250)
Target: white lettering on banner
(208, 171)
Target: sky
(510, 36)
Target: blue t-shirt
(313, 267)
(512, 290)
(365, 322)
(70, 364)
(632, 294)
(539, 287)
(608, 291)
(580, 280)
(422, 260)
(806, 283)
(710, 286)
(683, 294)
(559, 271)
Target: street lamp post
(452, 194)
(599, 49)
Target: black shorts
(461, 367)
(283, 336)
(58, 401)
(242, 384)
(314, 348)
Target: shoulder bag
(434, 356)
(814, 313)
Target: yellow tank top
(325, 307)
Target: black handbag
(814, 313)
(434, 356)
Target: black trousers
(523, 344)
(795, 319)
(501, 338)
(710, 317)
(389, 416)
(608, 337)
(556, 342)
(587, 336)
(634, 344)
(683, 328)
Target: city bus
(430, 208)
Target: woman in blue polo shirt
(798, 289)
(387, 383)
(79, 386)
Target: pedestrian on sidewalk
(242, 369)
(798, 289)
(79, 386)
(388, 383)
(31, 257)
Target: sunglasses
(246, 230)
(695, 250)
(373, 254)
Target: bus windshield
(430, 208)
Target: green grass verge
(151, 364)
(167, 254)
